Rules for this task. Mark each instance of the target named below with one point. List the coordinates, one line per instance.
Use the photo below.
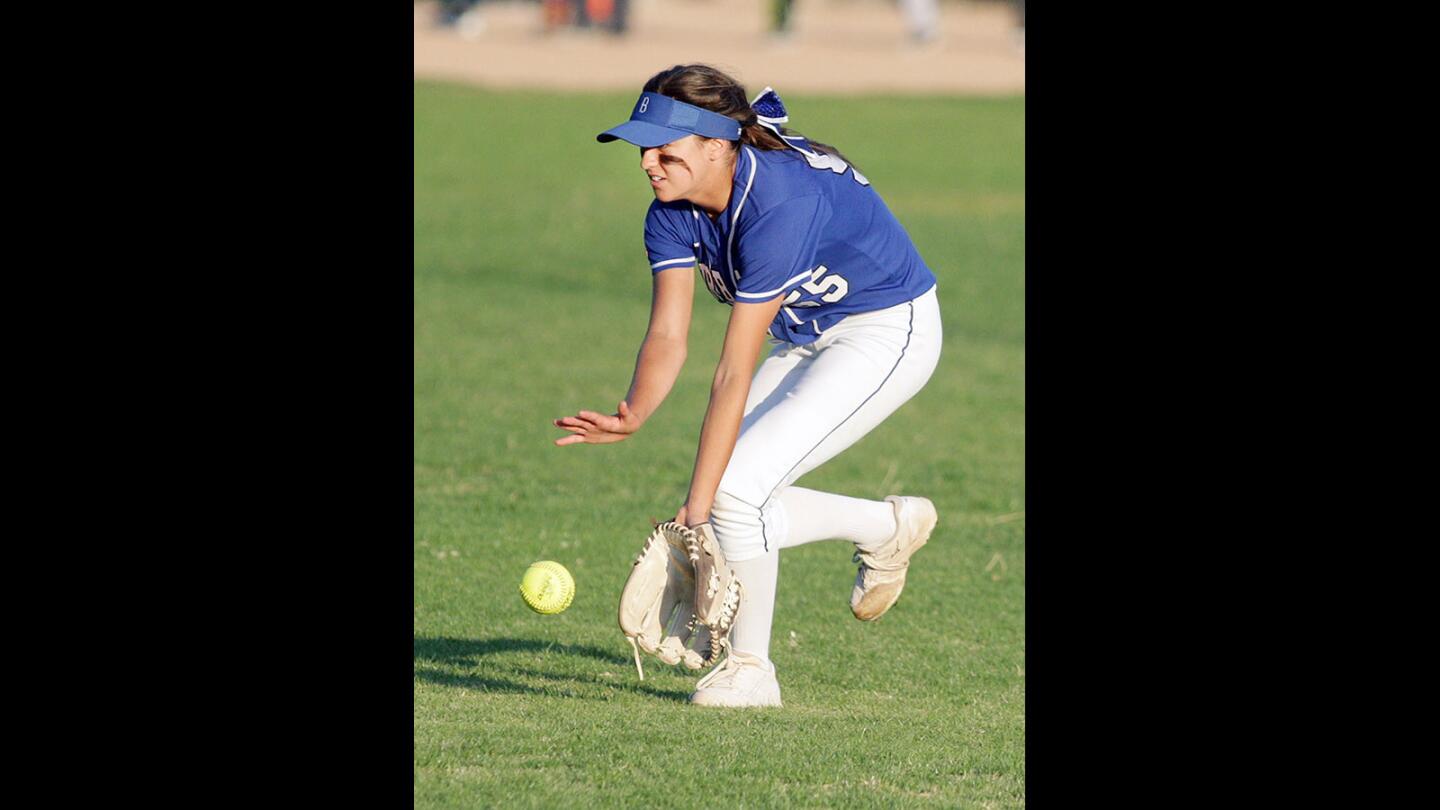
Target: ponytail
(707, 87)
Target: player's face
(680, 169)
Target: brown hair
(711, 89)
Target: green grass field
(531, 296)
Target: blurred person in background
(610, 15)
(462, 15)
(1020, 24)
(922, 18)
(780, 18)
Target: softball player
(795, 240)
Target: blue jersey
(804, 226)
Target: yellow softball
(547, 587)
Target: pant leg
(815, 402)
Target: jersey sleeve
(665, 245)
(777, 250)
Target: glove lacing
(649, 542)
(731, 604)
(726, 671)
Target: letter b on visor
(658, 120)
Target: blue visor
(658, 120)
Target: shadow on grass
(468, 651)
(577, 685)
(433, 653)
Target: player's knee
(737, 526)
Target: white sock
(816, 515)
(751, 633)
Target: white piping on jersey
(789, 141)
(731, 241)
(792, 316)
(779, 289)
(672, 261)
(818, 330)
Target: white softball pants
(809, 402)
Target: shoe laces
(868, 560)
(879, 560)
(882, 558)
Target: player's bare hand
(589, 427)
(689, 517)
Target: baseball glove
(661, 609)
(657, 607)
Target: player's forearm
(717, 443)
(657, 366)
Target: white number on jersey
(830, 288)
(820, 160)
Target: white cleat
(881, 577)
(742, 680)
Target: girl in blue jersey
(795, 240)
